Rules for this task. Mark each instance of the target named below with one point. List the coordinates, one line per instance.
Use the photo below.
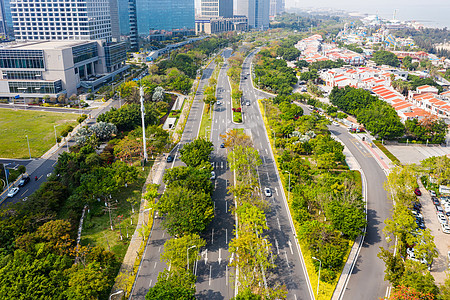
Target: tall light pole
(6, 175)
(289, 191)
(187, 254)
(318, 280)
(141, 93)
(29, 151)
(54, 127)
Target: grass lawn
(96, 229)
(38, 125)
(205, 125)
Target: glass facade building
(115, 54)
(35, 87)
(21, 59)
(84, 52)
(164, 15)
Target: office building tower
(164, 15)
(61, 19)
(3, 26)
(217, 8)
(276, 7)
(133, 29)
(115, 24)
(257, 12)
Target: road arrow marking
(290, 246)
(220, 256)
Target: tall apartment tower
(164, 15)
(257, 12)
(133, 29)
(217, 8)
(277, 7)
(61, 19)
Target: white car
(213, 175)
(219, 102)
(442, 219)
(445, 228)
(267, 192)
(433, 193)
(12, 192)
(335, 123)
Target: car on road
(335, 123)
(24, 181)
(247, 103)
(417, 192)
(12, 192)
(219, 102)
(267, 192)
(169, 158)
(213, 175)
(222, 145)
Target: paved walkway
(414, 154)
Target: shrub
(81, 118)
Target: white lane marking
(150, 284)
(196, 264)
(221, 164)
(214, 205)
(295, 296)
(266, 151)
(206, 256)
(210, 267)
(154, 267)
(276, 191)
(226, 206)
(268, 178)
(263, 160)
(220, 256)
(212, 237)
(290, 246)
(276, 244)
(287, 260)
(279, 226)
(226, 274)
(163, 234)
(159, 249)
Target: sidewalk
(155, 176)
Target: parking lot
(441, 239)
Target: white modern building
(277, 7)
(50, 68)
(62, 19)
(257, 12)
(216, 8)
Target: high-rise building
(133, 29)
(276, 7)
(164, 15)
(3, 26)
(257, 12)
(62, 19)
(217, 8)
(115, 24)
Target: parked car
(222, 145)
(417, 192)
(442, 219)
(247, 103)
(432, 193)
(169, 158)
(447, 209)
(335, 123)
(445, 228)
(439, 209)
(213, 175)
(435, 201)
(267, 192)
(219, 102)
(12, 192)
(417, 206)
(24, 181)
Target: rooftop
(44, 45)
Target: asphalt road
(45, 166)
(290, 268)
(151, 265)
(366, 281)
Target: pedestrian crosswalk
(219, 164)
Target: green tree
(383, 57)
(87, 282)
(185, 211)
(176, 251)
(196, 152)
(173, 285)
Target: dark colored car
(435, 201)
(417, 192)
(222, 145)
(417, 206)
(24, 181)
(169, 158)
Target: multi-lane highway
(151, 265)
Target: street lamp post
(29, 151)
(289, 190)
(206, 131)
(6, 175)
(54, 127)
(187, 254)
(318, 280)
(141, 93)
